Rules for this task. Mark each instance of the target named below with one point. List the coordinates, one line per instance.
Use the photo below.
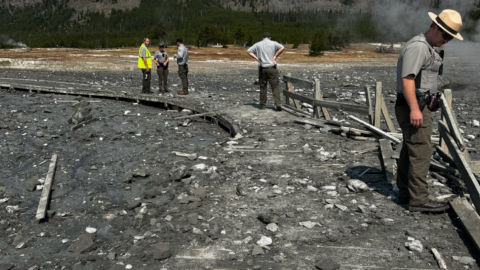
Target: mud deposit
(279, 196)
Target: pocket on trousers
(418, 135)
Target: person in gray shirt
(182, 60)
(418, 68)
(161, 60)
(266, 53)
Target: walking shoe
(182, 93)
(262, 107)
(430, 206)
(279, 108)
(403, 200)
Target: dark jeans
(269, 75)
(146, 77)
(415, 156)
(183, 73)
(162, 79)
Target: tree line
(199, 22)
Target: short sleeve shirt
(160, 57)
(265, 51)
(412, 58)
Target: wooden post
(42, 206)
(448, 99)
(387, 160)
(386, 115)
(469, 219)
(290, 89)
(319, 96)
(378, 104)
(369, 104)
(374, 129)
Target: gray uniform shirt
(160, 57)
(413, 56)
(265, 51)
(182, 55)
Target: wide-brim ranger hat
(449, 20)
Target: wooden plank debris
(445, 155)
(388, 162)
(295, 111)
(319, 96)
(470, 180)
(374, 129)
(195, 115)
(378, 104)
(290, 89)
(45, 197)
(298, 81)
(452, 125)
(448, 98)
(386, 115)
(369, 104)
(437, 166)
(469, 218)
(313, 122)
(438, 257)
(435, 139)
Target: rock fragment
(327, 264)
(161, 251)
(356, 185)
(257, 250)
(264, 241)
(414, 245)
(84, 244)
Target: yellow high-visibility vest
(141, 63)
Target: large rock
(84, 244)
(178, 173)
(161, 251)
(83, 112)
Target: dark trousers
(162, 79)
(415, 156)
(146, 77)
(183, 73)
(269, 75)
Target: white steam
(8, 41)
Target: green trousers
(183, 74)
(269, 75)
(415, 156)
(162, 79)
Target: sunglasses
(445, 35)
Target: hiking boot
(430, 206)
(403, 200)
(279, 108)
(262, 107)
(182, 93)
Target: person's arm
(155, 59)
(416, 116)
(144, 53)
(166, 61)
(180, 53)
(277, 54)
(253, 56)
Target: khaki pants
(415, 156)
(146, 77)
(183, 73)
(162, 79)
(269, 75)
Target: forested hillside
(119, 23)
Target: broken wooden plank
(378, 104)
(386, 115)
(388, 162)
(45, 197)
(438, 257)
(298, 97)
(313, 122)
(298, 81)
(434, 139)
(194, 115)
(470, 181)
(319, 96)
(437, 166)
(354, 108)
(374, 129)
(448, 98)
(84, 123)
(469, 218)
(370, 107)
(452, 125)
(290, 89)
(445, 155)
(475, 166)
(344, 124)
(262, 150)
(294, 111)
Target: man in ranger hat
(145, 64)
(418, 68)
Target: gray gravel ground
(281, 203)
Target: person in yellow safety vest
(145, 64)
